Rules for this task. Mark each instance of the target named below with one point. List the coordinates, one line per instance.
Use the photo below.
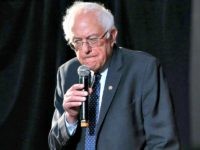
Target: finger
(90, 91)
(74, 98)
(76, 93)
(77, 87)
(71, 105)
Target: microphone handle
(84, 107)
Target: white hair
(104, 16)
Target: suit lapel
(112, 81)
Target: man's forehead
(86, 27)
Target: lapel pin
(110, 87)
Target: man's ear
(113, 36)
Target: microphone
(84, 78)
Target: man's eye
(92, 40)
(77, 41)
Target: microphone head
(83, 71)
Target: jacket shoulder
(70, 65)
(137, 56)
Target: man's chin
(92, 67)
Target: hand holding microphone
(76, 98)
(72, 101)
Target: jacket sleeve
(158, 114)
(58, 135)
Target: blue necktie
(90, 138)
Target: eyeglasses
(92, 41)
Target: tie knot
(97, 76)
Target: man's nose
(86, 47)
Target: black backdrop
(32, 47)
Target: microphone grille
(83, 71)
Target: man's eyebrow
(94, 34)
(76, 38)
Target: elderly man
(134, 110)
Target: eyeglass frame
(91, 42)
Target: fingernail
(85, 93)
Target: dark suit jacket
(136, 114)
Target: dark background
(32, 46)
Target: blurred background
(32, 47)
